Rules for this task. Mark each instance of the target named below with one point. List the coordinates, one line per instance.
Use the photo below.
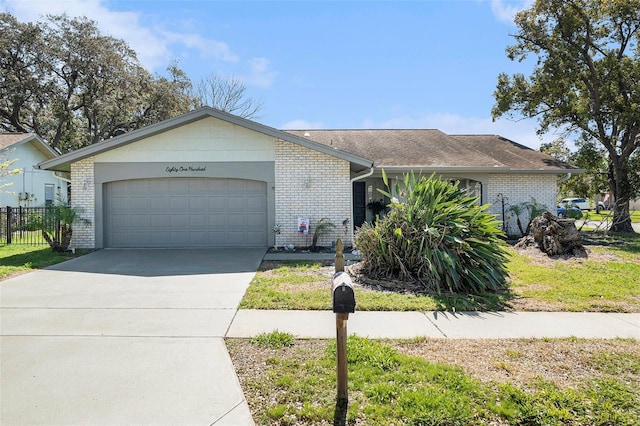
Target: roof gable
(14, 140)
(63, 162)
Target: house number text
(179, 169)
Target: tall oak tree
(586, 80)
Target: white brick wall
(518, 188)
(313, 185)
(83, 197)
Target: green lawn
(589, 285)
(15, 259)
(299, 285)
(296, 384)
(607, 283)
(592, 215)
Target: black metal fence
(24, 225)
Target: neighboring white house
(212, 179)
(31, 186)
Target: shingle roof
(511, 153)
(9, 139)
(433, 149)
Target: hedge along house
(212, 179)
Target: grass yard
(441, 381)
(607, 281)
(304, 285)
(16, 259)
(592, 215)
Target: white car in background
(581, 203)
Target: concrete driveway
(124, 337)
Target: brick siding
(83, 197)
(313, 185)
(518, 188)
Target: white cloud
(300, 124)
(522, 132)
(260, 75)
(206, 47)
(505, 10)
(153, 45)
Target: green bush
(437, 236)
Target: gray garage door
(186, 212)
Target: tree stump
(554, 236)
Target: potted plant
(276, 230)
(376, 207)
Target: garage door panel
(198, 239)
(198, 221)
(254, 238)
(216, 185)
(217, 203)
(157, 221)
(237, 221)
(119, 203)
(236, 238)
(198, 203)
(179, 186)
(217, 220)
(253, 186)
(156, 202)
(177, 203)
(256, 220)
(140, 222)
(179, 222)
(254, 203)
(156, 239)
(236, 185)
(120, 221)
(235, 204)
(140, 203)
(186, 212)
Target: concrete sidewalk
(463, 325)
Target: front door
(359, 205)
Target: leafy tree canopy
(73, 86)
(587, 81)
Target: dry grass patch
(444, 381)
(564, 362)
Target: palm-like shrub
(56, 224)
(437, 236)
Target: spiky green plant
(533, 209)
(437, 236)
(323, 227)
(56, 224)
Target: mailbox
(342, 294)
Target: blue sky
(331, 64)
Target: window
(48, 194)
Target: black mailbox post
(343, 299)
(342, 294)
